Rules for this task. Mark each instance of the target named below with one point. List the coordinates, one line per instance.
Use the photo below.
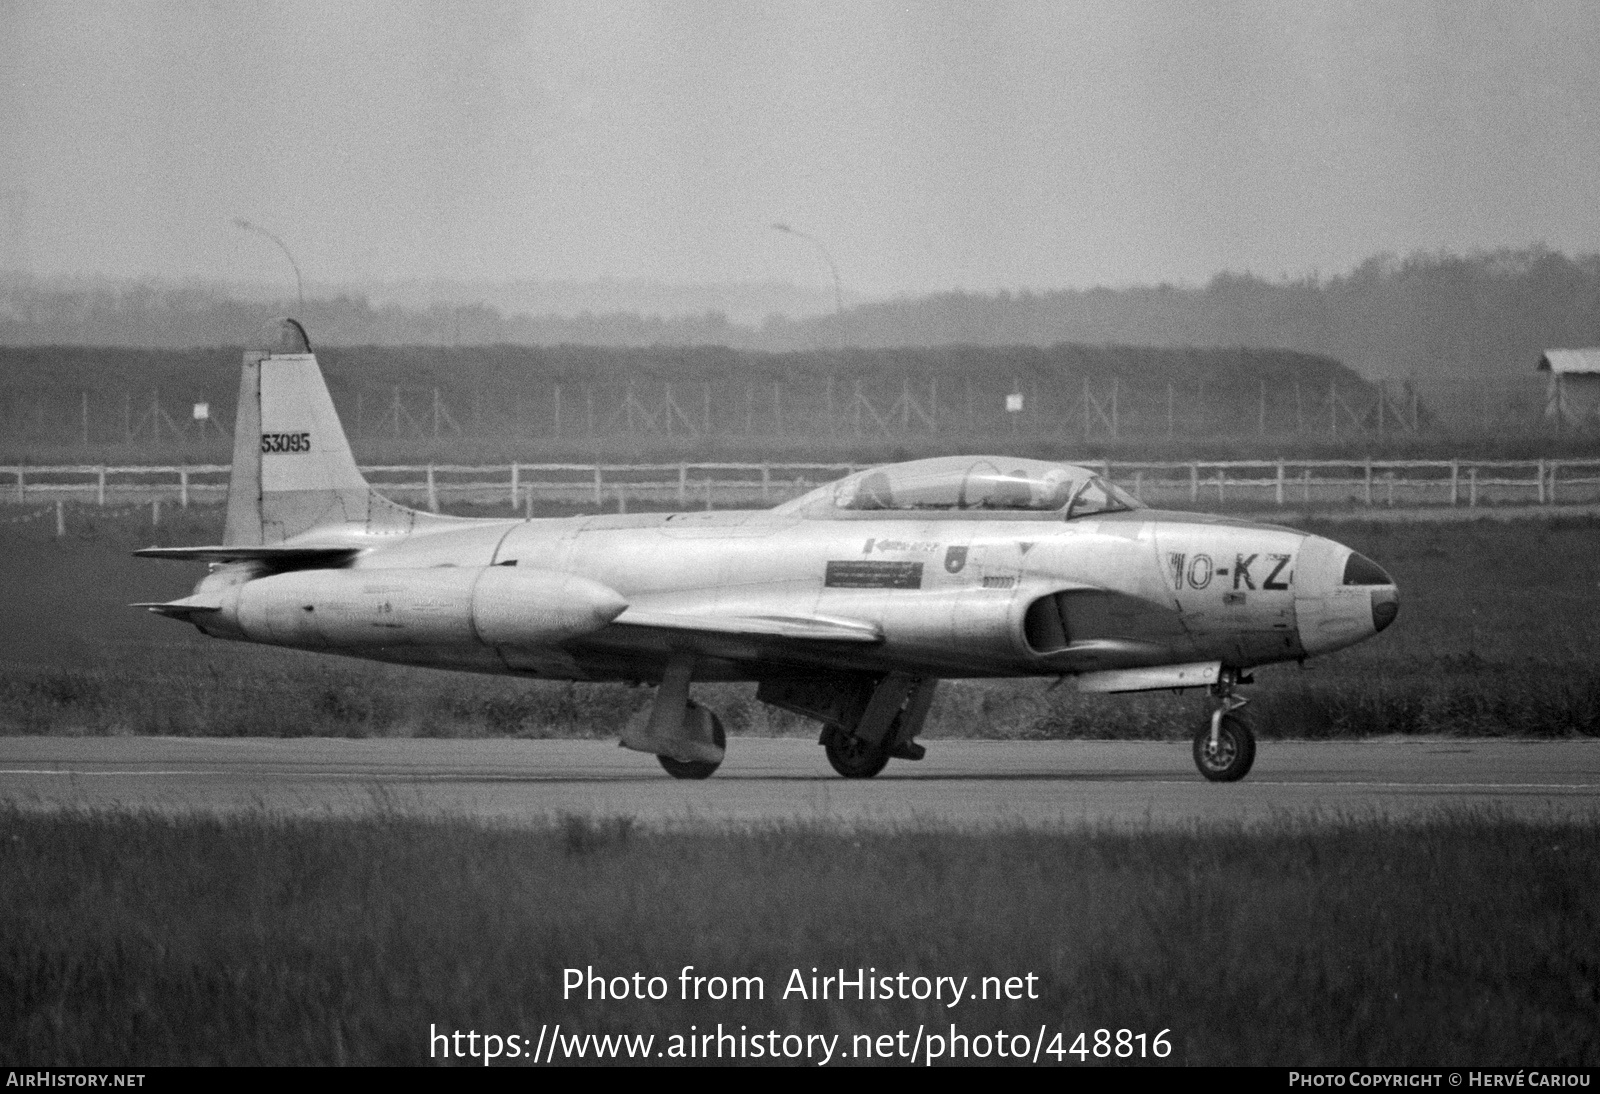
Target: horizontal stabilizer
(185, 609)
(287, 556)
(814, 628)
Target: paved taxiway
(961, 783)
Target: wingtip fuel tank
(366, 610)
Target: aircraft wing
(813, 628)
(290, 556)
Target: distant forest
(1436, 319)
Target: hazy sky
(929, 145)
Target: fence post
(1472, 487)
(515, 484)
(1552, 495)
(622, 499)
(708, 491)
(433, 494)
(683, 486)
(1455, 481)
(22, 486)
(1138, 485)
(598, 500)
(155, 512)
(1280, 482)
(1194, 481)
(528, 501)
(183, 487)
(766, 482)
(100, 487)
(1541, 482)
(1222, 475)
(1369, 480)
(61, 518)
(1305, 485)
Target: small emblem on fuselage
(955, 560)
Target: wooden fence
(1181, 484)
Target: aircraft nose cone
(1385, 606)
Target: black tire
(698, 769)
(1236, 750)
(854, 758)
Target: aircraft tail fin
(293, 471)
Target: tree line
(1434, 318)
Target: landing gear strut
(1224, 746)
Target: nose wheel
(1224, 746)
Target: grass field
(1496, 635)
(136, 940)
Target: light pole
(838, 295)
(299, 286)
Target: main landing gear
(855, 758)
(701, 723)
(687, 738)
(867, 720)
(1224, 746)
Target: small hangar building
(1572, 398)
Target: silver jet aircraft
(847, 605)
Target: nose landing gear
(1224, 746)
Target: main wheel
(1235, 752)
(854, 758)
(698, 769)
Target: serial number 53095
(1123, 1044)
(286, 442)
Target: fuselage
(967, 597)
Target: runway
(961, 784)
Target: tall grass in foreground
(134, 939)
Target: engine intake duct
(1099, 624)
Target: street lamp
(838, 295)
(299, 286)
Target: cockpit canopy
(973, 487)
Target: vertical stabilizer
(243, 527)
(293, 471)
